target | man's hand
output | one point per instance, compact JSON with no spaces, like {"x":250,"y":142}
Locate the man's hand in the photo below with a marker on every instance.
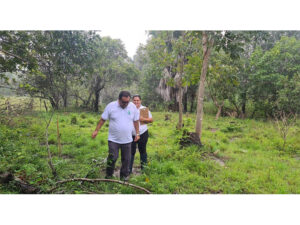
{"x":137,"y":137}
{"x":94,"y":134}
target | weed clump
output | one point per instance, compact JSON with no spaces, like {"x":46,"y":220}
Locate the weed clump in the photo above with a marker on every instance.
{"x":74,"y":120}
{"x":168,"y":117}
{"x":51,"y":141}
{"x":232,"y":128}
{"x":189,"y":138}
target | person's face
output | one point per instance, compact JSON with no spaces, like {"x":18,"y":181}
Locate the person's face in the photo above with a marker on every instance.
{"x":124,"y":102}
{"x":137,"y":101}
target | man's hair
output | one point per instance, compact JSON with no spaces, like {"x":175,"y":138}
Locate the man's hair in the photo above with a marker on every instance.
{"x":137,"y":96}
{"x":124,"y":94}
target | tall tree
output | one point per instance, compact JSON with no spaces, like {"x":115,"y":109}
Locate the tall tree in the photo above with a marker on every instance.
{"x":231,"y":43}
{"x":222,"y":80}
{"x":111,"y":65}
{"x":60,"y":56}
{"x":170,"y":51}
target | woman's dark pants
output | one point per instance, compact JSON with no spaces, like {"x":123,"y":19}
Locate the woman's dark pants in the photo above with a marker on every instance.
{"x":142,"y":143}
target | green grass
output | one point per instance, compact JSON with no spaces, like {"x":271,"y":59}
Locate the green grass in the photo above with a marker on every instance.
{"x":250,"y":150}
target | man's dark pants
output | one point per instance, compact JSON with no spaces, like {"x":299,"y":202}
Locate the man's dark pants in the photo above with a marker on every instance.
{"x":142,"y":143}
{"x":113,"y":154}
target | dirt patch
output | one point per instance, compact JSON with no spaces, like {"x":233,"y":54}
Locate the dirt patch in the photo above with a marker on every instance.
{"x":214,"y":130}
{"x":67,"y":156}
{"x":211,"y":191}
{"x":297,"y":157}
{"x":233,"y":139}
{"x":217,"y":160}
{"x":136,"y":171}
{"x":240,"y":151}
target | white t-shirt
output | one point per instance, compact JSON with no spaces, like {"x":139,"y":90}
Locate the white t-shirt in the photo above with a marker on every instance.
{"x":120,"y":121}
{"x":143,"y":128}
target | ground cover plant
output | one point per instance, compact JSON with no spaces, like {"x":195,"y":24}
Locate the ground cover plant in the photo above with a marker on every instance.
{"x":237,"y":156}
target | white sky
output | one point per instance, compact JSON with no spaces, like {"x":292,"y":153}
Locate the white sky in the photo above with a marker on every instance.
{"x":130,"y":38}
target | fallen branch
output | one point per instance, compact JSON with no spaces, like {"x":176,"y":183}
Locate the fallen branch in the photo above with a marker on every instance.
{"x":23,"y":186}
{"x":99,"y":180}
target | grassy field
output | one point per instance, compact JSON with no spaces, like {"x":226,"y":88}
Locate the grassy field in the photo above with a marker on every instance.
{"x":238,"y":156}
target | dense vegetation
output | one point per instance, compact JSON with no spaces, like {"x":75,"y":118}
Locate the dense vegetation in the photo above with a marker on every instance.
{"x":238,"y":91}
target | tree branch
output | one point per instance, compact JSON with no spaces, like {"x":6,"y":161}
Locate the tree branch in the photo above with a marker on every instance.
{"x":11,"y":54}
{"x":100,"y":180}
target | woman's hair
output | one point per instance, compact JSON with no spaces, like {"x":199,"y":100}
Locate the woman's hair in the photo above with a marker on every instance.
{"x":137,"y":96}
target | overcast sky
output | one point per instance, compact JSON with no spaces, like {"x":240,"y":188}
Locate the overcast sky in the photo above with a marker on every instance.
{"x":130,"y":38}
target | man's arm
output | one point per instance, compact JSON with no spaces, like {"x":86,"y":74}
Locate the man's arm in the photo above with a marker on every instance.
{"x":99,"y":125}
{"x":137,"y":130}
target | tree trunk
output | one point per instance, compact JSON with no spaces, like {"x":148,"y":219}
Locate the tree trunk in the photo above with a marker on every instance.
{"x":192,"y":103}
{"x":206,"y":55}
{"x":65,"y":98}
{"x":238,"y":111}
{"x":86,"y":103}
{"x":96,"y":103}
{"x":178,"y":80}
{"x":179,"y":126}
{"x":76,"y":102}
{"x":253,"y":113}
{"x":219,"y":111}
{"x":65,"y":93}
{"x":54,"y":104}
{"x":175,"y":107}
{"x":243,"y":104}
{"x":219,"y":106}
{"x":185,"y":102}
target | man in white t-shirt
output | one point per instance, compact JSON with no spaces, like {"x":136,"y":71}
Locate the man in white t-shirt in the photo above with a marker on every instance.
{"x":123,"y":117}
{"x":142,"y":142}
